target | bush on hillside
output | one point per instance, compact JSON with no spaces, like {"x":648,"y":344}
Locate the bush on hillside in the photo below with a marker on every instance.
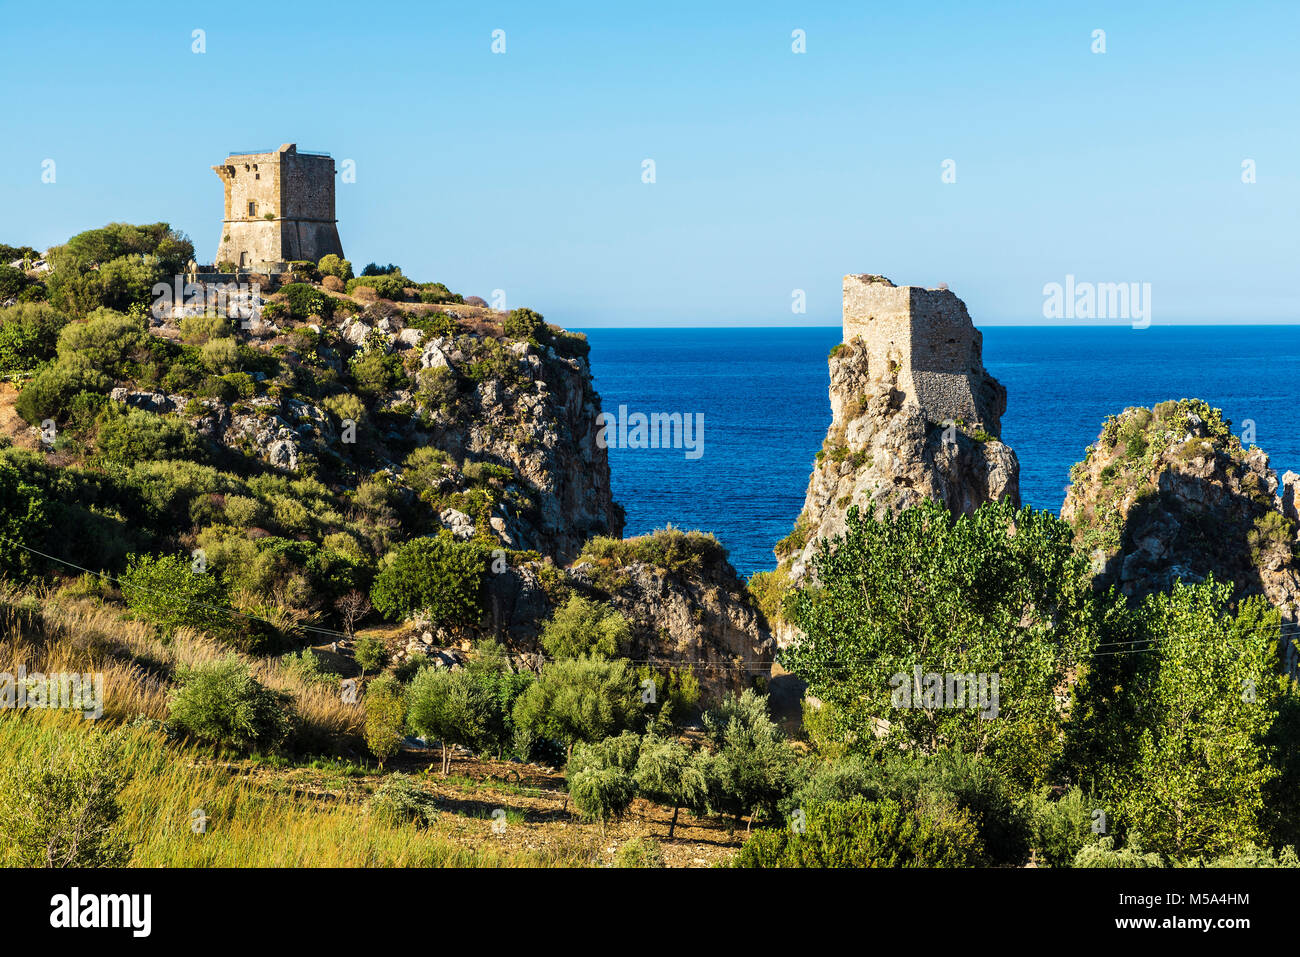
{"x":62,"y":810}
{"x":861,"y":833}
{"x":437,"y":575}
{"x":223,"y":704}
{"x":584,"y":628}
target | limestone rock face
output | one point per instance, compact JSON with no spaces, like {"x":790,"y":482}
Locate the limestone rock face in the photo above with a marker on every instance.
{"x":1169,"y":493}
{"x":915,"y":415}
{"x":700,"y":617}
{"x":520,"y":437}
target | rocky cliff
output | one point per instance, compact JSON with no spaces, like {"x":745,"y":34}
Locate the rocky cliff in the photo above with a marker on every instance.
{"x":510,"y":424}
{"x":1170,"y":493}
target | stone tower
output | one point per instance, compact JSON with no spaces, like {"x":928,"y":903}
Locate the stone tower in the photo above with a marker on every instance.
{"x":926,"y":339}
{"x":279,"y":208}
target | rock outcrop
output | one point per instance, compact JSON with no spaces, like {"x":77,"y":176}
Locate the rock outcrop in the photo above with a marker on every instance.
{"x":915,"y":415}
{"x":687,"y":608}
{"x":1169,"y":493}
{"x":515,"y":423}
{"x":692,"y":612}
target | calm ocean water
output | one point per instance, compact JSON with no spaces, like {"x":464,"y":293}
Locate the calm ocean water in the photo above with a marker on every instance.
{"x":763,"y":393}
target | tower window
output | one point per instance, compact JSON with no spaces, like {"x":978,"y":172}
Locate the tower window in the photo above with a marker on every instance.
{"x":252,"y":209}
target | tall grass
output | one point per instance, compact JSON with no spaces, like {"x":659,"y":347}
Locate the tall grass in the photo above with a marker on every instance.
{"x":48,"y":631}
{"x":246,"y":826}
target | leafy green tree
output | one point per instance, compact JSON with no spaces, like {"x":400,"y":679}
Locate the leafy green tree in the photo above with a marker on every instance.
{"x":490,"y":670}
{"x":63,"y":809}
{"x":370,"y":652}
{"x":1210,"y":695}
{"x":385,"y":707}
{"x":753,"y":766}
{"x":168,"y":591}
{"x":437,"y":575}
{"x":667,"y":772}
{"x":600,"y":777}
{"x":28,"y":333}
{"x":224,"y":704}
{"x":451,"y":707}
{"x":996,"y":595}
{"x":584,"y":628}
{"x":579,"y":699}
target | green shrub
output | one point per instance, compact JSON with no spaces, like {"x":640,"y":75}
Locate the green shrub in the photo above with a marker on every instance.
{"x":370,"y":653}
{"x":304,"y":301}
{"x":1252,"y":855}
{"x":583,"y":628}
{"x":769,"y":590}
{"x":139,"y":436}
{"x":332,"y":265}
{"x":49,"y":393}
{"x":385,"y":707}
{"x":223,"y":704}
{"x":63,"y":809}
{"x":166,"y":590}
{"x":640,"y":852}
{"x":438,"y":575}
{"x":107,"y":340}
{"x":436,"y":292}
{"x":860,"y":833}
{"x":12,"y":281}
{"x":197,"y":330}
{"x":28,"y":332}
{"x":391,"y":287}
{"x":400,"y":800}
{"x":667,"y":548}
{"x":1060,"y":829}
{"x":524,"y":324}
{"x":1104,"y":854}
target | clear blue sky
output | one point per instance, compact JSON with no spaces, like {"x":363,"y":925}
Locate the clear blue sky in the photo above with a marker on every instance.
{"x":775,"y":171}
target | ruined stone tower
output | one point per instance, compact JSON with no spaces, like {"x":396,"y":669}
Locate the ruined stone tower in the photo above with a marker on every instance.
{"x":924,"y":338}
{"x":279,"y":208}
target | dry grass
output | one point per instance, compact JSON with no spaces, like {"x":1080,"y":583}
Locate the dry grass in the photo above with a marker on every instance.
{"x":65,"y":630}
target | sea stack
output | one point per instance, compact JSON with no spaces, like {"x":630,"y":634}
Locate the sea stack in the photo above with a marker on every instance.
{"x":915,"y":415}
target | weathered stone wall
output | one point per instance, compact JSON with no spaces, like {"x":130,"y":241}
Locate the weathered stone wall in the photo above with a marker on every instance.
{"x":924,"y":339}
{"x":296,"y":189}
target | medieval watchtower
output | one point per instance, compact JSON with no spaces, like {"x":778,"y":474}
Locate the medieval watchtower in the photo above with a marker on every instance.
{"x":279,"y":208}
{"x":925,"y":338}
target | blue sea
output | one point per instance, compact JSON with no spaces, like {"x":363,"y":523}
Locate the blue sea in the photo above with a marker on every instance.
{"x":763,"y":393}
